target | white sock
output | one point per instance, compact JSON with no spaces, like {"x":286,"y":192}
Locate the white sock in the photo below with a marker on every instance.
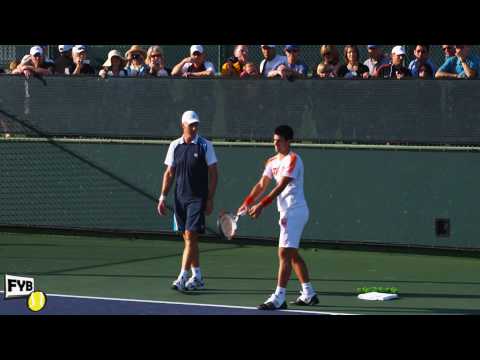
{"x":307,"y":289}
{"x":281,"y":292}
{"x":196,"y":272}
{"x":183,"y":274}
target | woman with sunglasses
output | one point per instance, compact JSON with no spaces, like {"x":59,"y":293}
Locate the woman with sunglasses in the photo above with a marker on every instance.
{"x":156,"y":62}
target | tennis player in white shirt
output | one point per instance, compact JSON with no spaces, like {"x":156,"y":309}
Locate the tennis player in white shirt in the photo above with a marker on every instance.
{"x":286,"y":167}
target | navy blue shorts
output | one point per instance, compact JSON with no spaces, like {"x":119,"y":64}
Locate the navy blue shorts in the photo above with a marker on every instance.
{"x":189,"y":215}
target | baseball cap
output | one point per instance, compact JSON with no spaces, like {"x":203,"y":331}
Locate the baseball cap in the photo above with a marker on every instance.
{"x":194,"y":48}
{"x":372,"y":46}
{"x":190,"y":117}
{"x":270,"y":46}
{"x":35,"y":50}
{"x":398,"y":50}
{"x":79,"y":48}
{"x":64,"y":48}
{"x":291,"y":47}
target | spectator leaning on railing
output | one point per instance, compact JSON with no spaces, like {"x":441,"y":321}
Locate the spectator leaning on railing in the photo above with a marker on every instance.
{"x":194,"y":65}
{"x":250,"y":71}
{"x":234,"y":65}
{"x":34,"y":64}
{"x":295,"y":68}
{"x":463,"y":65}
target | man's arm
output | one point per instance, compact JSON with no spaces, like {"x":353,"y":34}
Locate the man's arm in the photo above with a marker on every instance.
{"x":469,"y":72}
{"x":177,"y":69}
{"x":212,"y":187}
{"x":256,"y":210}
{"x":166,"y":183}
{"x":257,"y":190}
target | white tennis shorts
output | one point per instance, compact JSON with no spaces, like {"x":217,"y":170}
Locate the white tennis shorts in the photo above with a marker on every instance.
{"x":291,"y":224}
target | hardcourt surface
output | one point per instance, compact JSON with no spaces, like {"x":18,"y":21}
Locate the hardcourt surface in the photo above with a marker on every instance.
{"x":87,"y":268}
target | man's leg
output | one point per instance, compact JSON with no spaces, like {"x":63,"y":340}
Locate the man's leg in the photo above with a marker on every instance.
{"x":308,"y":295}
{"x":190,"y":252}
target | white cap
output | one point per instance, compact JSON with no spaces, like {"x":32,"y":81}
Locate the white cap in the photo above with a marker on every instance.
{"x":194,"y":48}
{"x":64,"y":48}
{"x":78,"y":48}
{"x":398,"y":50}
{"x":270,"y":46}
{"x":190,"y":117}
{"x":35,"y":50}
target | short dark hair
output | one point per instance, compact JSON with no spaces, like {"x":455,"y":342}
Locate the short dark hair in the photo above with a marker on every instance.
{"x":284,"y":131}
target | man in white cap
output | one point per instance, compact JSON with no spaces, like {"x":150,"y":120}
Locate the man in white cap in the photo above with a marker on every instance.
{"x":194,"y":65}
{"x":81,"y":65}
{"x":34,"y":64}
{"x":271,"y":61}
{"x":192,"y":162}
{"x":65,"y":59}
{"x":396,"y":69}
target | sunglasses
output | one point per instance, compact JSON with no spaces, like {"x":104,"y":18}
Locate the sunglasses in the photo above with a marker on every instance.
{"x":327,"y":54}
{"x":37,"y":55}
{"x":155,"y":55}
{"x":447,"y":48}
{"x":136,"y":56}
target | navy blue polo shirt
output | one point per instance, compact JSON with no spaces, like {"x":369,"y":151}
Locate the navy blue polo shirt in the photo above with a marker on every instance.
{"x":191,"y":162}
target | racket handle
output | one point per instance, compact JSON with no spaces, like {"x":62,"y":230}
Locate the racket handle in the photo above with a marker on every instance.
{"x":241,"y":213}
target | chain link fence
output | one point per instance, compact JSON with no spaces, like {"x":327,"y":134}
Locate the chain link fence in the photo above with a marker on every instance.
{"x":217,"y":54}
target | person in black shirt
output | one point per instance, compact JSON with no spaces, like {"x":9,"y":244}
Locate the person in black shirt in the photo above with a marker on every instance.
{"x":65,"y":59}
{"x":394,"y":70}
{"x":352,"y":69}
{"x":34,"y":64}
{"x":81,"y":65}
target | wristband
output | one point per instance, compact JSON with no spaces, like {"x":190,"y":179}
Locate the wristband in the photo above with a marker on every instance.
{"x":161,"y":198}
{"x":248,"y":201}
{"x":266,"y":201}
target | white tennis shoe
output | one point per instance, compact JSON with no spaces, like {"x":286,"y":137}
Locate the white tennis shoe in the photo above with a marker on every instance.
{"x":273,"y":303}
{"x":194,"y":283}
{"x":179,"y":284}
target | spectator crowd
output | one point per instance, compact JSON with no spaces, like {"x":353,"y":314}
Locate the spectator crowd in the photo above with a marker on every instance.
{"x":73,"y":60}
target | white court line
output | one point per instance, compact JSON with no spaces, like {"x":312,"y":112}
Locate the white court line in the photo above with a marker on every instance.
{"x":192,"y":304}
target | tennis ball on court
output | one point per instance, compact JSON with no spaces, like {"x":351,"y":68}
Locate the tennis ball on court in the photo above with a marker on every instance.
{"x":36,"y":301}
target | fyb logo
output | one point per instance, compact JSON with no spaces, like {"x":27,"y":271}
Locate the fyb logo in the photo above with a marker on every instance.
{"x":20,"y":286}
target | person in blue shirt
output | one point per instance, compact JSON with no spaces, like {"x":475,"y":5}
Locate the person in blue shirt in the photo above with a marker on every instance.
{"x":421,"y":57}
{"x":192,"y":164}
{"x":461,"y":66}
{"x":295,"y":68}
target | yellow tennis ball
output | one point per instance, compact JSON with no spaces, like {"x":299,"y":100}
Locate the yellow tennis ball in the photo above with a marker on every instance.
{"x":36,"y":301}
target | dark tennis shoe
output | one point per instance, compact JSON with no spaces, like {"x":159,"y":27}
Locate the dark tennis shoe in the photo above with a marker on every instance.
{"x":304,"y":300}
{"x":272,"y":303}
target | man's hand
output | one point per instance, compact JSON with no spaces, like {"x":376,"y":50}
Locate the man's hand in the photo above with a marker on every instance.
{"x":243,"y":209}
{"x":255,"y":211}
{"x":209,"y":207}
{"x":162,"y":207}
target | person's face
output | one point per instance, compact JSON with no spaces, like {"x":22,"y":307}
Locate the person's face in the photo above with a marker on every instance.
{"x":461,"y":50}
{"x":397,"y":59}
{"x":115,"y":60}
{"x":327,"y":56}
{"x":190,"y":130}
{"x":373,"y":53}
{"x":281,"y":145}
{"x":241,"y":53}
{"x":268,"y":52}
{"x":37,"y":59}
{"x":292,"y":55}
{"x":197,"y":57}
{"x":352,"y":55}
{"x":137,"y":58}
{"x":82,"y":55}
{"x":448,"y":50}
{"x":421,"y":53}
{"x":156,"y":58}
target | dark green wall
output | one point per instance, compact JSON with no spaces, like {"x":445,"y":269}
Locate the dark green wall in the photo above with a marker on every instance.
{"x":371,"y":196}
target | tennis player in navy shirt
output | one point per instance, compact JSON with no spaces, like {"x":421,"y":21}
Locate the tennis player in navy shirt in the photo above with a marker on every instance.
{"x":192,"y":163}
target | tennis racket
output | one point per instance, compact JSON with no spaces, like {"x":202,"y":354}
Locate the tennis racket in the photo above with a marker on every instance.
{"x":227,"y":224}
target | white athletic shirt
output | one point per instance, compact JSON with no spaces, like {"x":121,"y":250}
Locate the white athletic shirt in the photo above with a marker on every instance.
{"x":290,"y":166}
